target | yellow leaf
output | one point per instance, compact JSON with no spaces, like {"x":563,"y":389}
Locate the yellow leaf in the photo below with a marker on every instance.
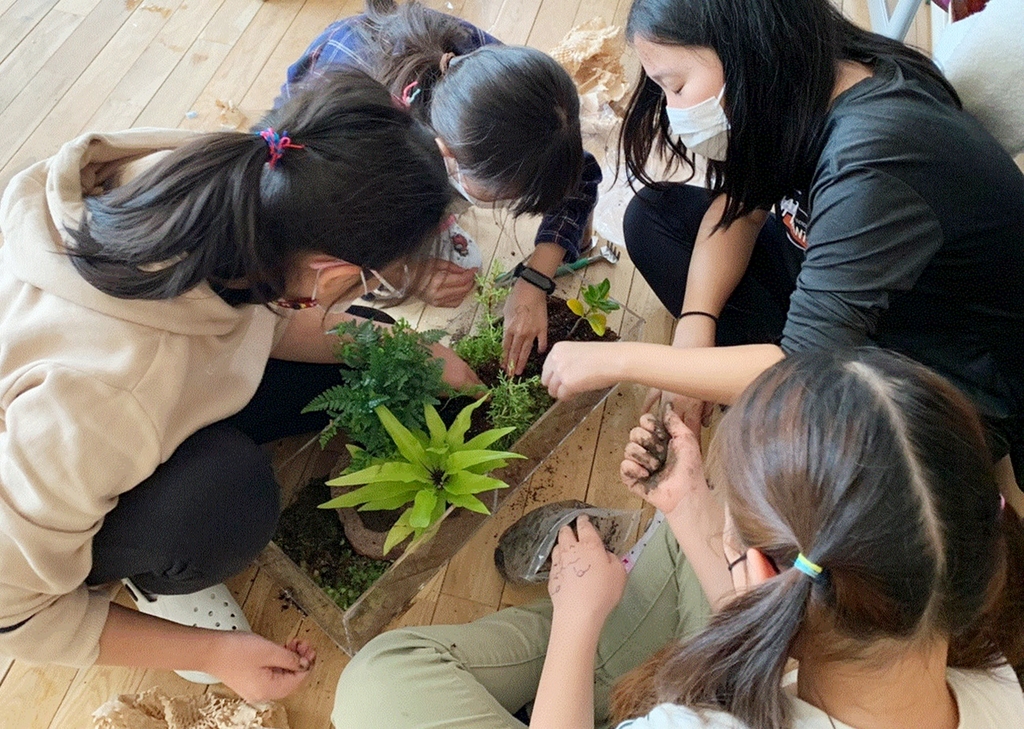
{"x":576,"y":306}
{"x":599,"y":323}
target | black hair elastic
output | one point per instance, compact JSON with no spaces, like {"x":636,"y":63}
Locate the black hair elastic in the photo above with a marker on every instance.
{"x":699,"y":313}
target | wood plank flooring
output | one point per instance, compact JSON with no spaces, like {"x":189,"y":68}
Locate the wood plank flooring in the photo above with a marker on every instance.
{"x":67,"y":66}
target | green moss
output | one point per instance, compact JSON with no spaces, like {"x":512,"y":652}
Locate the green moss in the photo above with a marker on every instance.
{"x":315,"y":540}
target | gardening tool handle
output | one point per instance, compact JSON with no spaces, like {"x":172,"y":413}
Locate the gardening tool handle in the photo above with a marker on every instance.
{"x":575,"y":265}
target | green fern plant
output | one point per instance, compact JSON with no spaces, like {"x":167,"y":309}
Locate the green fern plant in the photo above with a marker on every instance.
{"x":594,"y":308}
{"x":429,"y":471}
{"x":393,"y":367}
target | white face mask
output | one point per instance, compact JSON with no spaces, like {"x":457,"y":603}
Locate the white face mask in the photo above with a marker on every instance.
{"x":702,"y":128}
{"x":458,"y":184}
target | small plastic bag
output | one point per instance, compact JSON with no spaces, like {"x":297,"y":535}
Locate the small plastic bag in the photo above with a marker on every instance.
{"x":523,"y":554}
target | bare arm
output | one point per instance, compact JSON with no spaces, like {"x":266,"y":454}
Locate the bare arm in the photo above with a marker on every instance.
{"x":307,"y":339}
{"x":565,"y":694}
{"x":306,"y":336}
{"x":719,"y":260}
{"x":251,"y":665}
{"x":585,"y":585}
{"x":716,"y":374}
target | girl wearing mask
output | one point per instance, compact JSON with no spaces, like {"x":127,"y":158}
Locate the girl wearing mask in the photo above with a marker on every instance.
{"x":850,"y":201}
{"x":507,"y":122}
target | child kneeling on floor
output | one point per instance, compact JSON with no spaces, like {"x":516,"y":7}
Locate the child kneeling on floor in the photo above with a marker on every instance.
{"x":851,"y":521}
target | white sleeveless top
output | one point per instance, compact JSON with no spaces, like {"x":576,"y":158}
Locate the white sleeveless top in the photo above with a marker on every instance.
{"x":986,"y":700}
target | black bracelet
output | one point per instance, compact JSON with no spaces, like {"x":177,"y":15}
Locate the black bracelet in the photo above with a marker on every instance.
{"x":699,"y":313}
{"x":534,"y":277}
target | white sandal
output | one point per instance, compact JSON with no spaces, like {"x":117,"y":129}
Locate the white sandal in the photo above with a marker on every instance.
{"x":214,"y":608}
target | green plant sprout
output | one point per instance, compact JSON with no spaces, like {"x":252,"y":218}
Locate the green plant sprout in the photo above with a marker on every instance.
{"x":484,"y":345}
{"x":394,"y":367}
{"x":430,"y":470}
{"x":594,"y":308}
{"x":517,"y":403}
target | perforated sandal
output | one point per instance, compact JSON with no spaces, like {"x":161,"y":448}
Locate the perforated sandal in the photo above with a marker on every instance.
{"x":214,"y":608}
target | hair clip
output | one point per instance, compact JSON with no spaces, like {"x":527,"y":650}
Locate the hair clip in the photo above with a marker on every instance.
{"x":409,"y":94}
{"x":277,"y":144}
{"x":807,"y":567}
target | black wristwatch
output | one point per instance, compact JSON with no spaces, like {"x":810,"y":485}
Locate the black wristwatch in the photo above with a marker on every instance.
{"x":534,"y":277}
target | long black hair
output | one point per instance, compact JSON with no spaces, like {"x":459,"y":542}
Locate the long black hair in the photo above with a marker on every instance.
{"x":509,"y":114}
{"x":876,"y":469}
{"x":780,"y":59}
{"x":366,"y":184}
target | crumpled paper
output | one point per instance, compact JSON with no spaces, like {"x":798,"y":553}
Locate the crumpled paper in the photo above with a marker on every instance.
{"x":154,"y":709}
{"x":592,"y":54}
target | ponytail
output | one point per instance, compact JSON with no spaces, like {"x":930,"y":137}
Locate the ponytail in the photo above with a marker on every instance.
{"x":737,"y":663}
{"x":410,"y":44}
{"x":193,"y":217}
{"x":875,"y":468}
{"x":361,"y":181}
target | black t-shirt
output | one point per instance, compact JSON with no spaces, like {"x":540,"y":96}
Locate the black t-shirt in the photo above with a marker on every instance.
{"x":915,"y":239}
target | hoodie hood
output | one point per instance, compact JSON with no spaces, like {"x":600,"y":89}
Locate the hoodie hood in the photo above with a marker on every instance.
{"x":46,"y":199}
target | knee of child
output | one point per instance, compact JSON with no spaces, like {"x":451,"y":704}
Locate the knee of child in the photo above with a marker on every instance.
{"x":373,"y":674}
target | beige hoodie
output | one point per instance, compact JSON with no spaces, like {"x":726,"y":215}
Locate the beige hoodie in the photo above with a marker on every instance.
{"x":95,"y":393}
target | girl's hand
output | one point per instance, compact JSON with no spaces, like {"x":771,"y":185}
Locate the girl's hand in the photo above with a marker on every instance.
{"x":694,"y":413}
{"x":586,"y":579}
{"x":526,"y":320}
{"x":447,"y":284}
{"x":575,"y":367}
{"x":258,"y":670}
{"x":459,"y":375}
{"x":662,"y":461}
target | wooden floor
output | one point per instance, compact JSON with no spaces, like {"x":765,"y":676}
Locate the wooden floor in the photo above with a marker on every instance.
{"x":67,"y":66}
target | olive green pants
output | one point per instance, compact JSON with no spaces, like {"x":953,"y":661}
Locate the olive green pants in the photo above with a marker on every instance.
{"x":478,"y":674}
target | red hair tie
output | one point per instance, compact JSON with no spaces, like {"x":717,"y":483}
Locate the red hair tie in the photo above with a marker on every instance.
{"x":277,"y":144}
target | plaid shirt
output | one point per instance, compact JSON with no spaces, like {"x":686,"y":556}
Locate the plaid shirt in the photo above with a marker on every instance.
{"x":341,"y":44}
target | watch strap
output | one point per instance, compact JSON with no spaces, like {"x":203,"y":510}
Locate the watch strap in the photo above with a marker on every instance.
{"x":534,"y":277}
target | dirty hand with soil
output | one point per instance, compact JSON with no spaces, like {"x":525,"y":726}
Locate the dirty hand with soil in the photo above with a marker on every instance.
{"x":526,"y":311}
{"x":662,"y":464}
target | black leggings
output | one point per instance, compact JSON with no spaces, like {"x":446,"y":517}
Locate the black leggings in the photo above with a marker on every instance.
{"x":660,"y":228}
{"x":212,"y":507}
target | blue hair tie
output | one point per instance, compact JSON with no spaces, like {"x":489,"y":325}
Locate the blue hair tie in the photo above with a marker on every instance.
{"x":807,"y":567}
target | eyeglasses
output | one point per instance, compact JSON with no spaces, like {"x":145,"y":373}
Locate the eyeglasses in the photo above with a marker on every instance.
{"x":310,"y":301}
